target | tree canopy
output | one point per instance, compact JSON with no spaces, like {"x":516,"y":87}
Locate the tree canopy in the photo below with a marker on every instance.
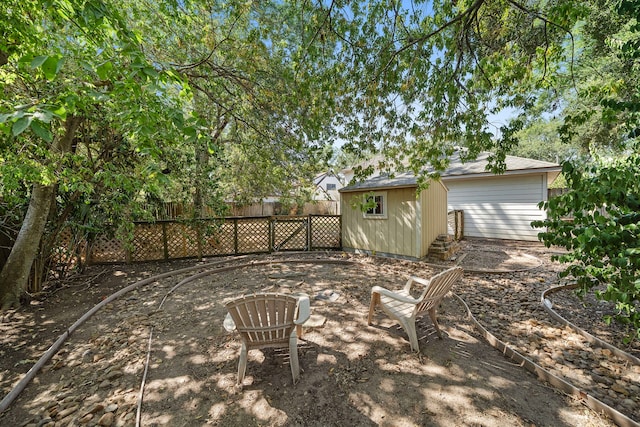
{"x":107,"y":106}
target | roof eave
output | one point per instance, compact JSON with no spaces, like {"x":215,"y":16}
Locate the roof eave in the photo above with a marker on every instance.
{"x":376,"y":188}
{"x":553,"y":169}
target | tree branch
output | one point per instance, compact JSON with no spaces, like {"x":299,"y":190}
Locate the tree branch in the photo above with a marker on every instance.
{"x":554,"y":24}
{"x":476,"y":5}
{"x":317,"y":32}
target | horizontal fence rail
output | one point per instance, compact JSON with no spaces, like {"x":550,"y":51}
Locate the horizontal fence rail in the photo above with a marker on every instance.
{"x":172,"y":239}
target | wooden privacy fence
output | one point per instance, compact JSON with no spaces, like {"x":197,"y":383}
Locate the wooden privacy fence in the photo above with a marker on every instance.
{"x":164,"y":240}
{"x":455,"y":220}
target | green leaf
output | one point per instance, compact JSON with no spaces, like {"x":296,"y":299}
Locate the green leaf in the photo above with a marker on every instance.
{"x":60,"y":112}
{"x":190,"y":132}
{"x":44,"y":116}
{"x":26,"y":59}
{"x":38,"y":61}
{"x":104,"y":70}
{"x":41,"y":131}
{"x":20,"y":125}
{"x":97,"y":96}
{"x":151,"y":72}
{"x":51,"y":67}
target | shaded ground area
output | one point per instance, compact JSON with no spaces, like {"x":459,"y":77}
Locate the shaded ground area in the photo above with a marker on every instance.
{"x":353,"y":374}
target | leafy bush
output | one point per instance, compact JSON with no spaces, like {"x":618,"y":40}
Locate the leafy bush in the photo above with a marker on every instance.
{"x":598,"y":222}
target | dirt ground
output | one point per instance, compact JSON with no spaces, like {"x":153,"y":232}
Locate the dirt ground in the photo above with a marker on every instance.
{"x":159,"y":355}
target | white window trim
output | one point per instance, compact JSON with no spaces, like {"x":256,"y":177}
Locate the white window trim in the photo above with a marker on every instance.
{"x":385,"y":205}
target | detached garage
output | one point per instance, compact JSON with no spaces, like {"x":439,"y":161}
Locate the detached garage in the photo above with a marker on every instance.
{"x":399,"y":222}
{"x":500,"y":206}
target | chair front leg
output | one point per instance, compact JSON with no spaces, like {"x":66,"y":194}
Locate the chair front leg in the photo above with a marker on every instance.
{"x":375,"y":300}
{"x":293,"y":358}
{"x":434,"y":318}
{"x":242,"y":364}
{"x":409,"y":326}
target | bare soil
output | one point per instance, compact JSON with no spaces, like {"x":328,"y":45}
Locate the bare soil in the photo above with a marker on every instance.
{"x":159,"y":355}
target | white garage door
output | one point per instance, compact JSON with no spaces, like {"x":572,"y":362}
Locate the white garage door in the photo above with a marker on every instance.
{"x":499,"y":207}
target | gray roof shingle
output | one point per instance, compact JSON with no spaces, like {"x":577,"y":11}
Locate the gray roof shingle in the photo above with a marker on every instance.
{"x":457,"y":169}
{"x":513,"y":164}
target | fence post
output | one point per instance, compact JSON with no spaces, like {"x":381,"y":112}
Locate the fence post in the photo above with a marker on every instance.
{"x":456,"y":225}
{"x":165,"y":243}
{"x":200,"y":236}
{"x":309,"y":234}
{"x":235,"y":236}
{"x":88,"y":251}
{"x":272,"y":233}
{"x":128,"y":250}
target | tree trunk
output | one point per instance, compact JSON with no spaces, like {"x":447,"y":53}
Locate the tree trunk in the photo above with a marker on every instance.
{"x":202,"y":159}
{"x":15,"y":273}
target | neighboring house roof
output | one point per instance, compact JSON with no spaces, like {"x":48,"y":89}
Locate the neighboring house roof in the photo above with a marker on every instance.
{"x":317,"y":180}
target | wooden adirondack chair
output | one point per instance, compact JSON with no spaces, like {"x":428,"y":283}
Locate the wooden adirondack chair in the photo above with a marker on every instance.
{"x":268,"y":320}
{"x":403,"y":307}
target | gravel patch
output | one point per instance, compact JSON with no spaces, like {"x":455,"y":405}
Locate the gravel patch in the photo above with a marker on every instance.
{"x":353,"y":374}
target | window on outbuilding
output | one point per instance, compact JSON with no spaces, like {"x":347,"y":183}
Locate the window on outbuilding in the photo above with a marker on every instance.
{"x":378,"y":208}
{"x":331,"y":187}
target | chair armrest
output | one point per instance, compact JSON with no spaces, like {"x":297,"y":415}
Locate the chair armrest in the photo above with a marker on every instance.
{"x":395,"y":296}
{"x":304,"y":309}
{"x":228,"y":323}
{"x":418,"y":280}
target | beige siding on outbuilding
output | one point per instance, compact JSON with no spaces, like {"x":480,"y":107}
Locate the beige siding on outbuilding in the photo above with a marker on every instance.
{"x":434,"y":213}
{"x":411,"y":223}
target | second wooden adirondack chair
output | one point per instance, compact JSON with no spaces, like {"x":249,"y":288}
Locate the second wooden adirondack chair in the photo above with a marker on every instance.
{"x":403,"y":307}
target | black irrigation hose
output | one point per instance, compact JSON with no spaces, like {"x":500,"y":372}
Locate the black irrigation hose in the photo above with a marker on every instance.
{"x":191,"y":279}
{"x":544,"y":375}
{"x":15,"y":392}
{"x":198,"y":276}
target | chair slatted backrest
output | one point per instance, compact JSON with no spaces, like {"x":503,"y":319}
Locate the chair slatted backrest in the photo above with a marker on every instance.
{"x":265,"y":318}
{"x":438,"y":287}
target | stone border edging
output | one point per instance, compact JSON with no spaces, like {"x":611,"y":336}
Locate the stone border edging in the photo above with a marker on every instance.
{"x":548,"y":306}
{"x":488,"y":270}
{"x":544,"y":375}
